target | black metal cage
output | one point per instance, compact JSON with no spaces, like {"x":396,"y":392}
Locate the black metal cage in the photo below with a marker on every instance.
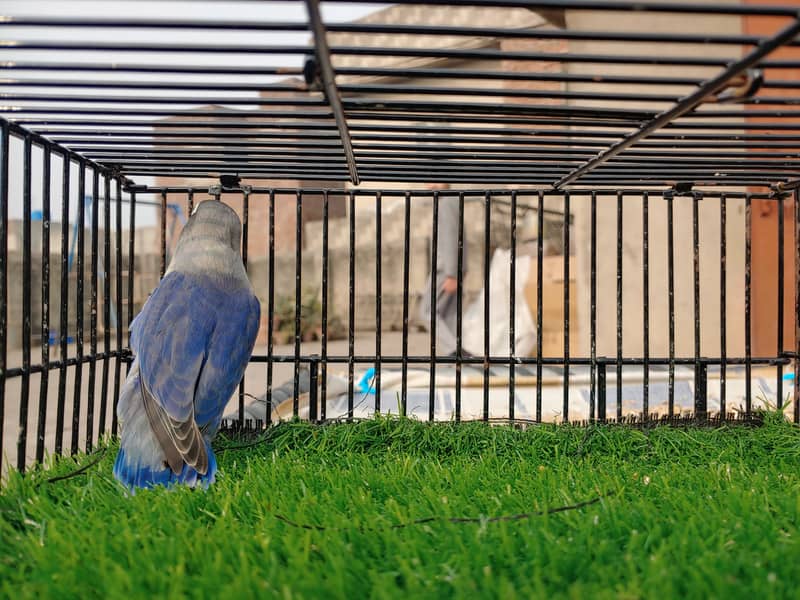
{"x":655,"y":143}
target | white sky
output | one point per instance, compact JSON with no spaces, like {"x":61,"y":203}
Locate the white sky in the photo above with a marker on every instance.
{"x":196,"y":10}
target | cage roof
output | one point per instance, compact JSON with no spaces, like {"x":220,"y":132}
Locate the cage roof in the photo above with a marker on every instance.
{"x":546,"y":93}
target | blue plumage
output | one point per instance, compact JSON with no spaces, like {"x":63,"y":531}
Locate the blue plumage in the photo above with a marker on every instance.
{"x":192,"y":342}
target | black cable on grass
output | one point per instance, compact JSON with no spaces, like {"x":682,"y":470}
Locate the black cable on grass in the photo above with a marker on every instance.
{"x":424,"y":520}
{"x":82,"y":470}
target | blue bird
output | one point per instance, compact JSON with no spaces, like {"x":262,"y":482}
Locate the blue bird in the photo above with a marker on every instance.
{"x":192,"y":342}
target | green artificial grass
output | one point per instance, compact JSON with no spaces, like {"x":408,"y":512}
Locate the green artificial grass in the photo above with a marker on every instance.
{"x":683,"y":513}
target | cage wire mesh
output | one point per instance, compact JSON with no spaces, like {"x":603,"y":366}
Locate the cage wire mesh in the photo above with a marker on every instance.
{"x":616,"y":182}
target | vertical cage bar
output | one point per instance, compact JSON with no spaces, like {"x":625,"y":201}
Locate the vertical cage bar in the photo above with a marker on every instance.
{"x":797,"y":306}
{"x":565,"y":232}
{"x":118,"y":303}
{"x":378,"y":291}
{"x":131,"y":264}
{"x":90,"y":396}
{"x":646,"y":304}
{"x":245,"y":244}
{"x":700,"y":400}
{"x":748,"y":243}
{"x":406,"y":264}
{"x":4,"y":146}
{"x":45,"y":324}
{"x":324,"y":334}
{"x":702,"y":386}
{"x":601,"y":391}
{"x":313,"y":382}
{"x":79,"y":306}
{"x":779,"y":367}
{"x":163,"y":239}
{"x":434,"y":301}
{"x":26,"y":305}
{"x":512,"y":296}
{"x":539,"y":262}
{"x":63,"y":319}
{"x":487,"y":224}
{"x":106,"y":302}
{"x":459,"y":304}
{"x":593,"y":310}
{"x":298,"y":299}
{"x":270,"y":303}
{"x":671,"y":302}
{"x":723,"y":320}
{"x":189,"y":204}
{"x":351,"y":308}
{"x":619,"y":305}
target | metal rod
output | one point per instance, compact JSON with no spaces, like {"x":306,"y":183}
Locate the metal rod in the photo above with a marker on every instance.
{"x":245,"y":246}
{"x":645,"y":305}
{"x":618,"y":382}
{"x":313,"y":383}
{"x":378,"y":292}
{"x":700,"y":400}
{"x":90,"y":392}
{"x":386,"y":28}
{"x":671,"y":300}
{"x":118,"y":327}
{"x":324,"y":325}
{"x":748,"y":245}
{"x":79,"y":305}
{"x":601,"y":392}
{"x":434,"y":300}
{"x":63,"y":323}
{"x":779,"y":350}
{"x":620,"y":5}
{"x":593,"y":311}
{"x":723,"y":316}
{"x":471,"y":194}
{"x":512,"y":277}
{"x":796,"y":398}
{"x":4,"y":160}
{"x":487,"y":226}
{"x":106,"y":303}
{"x":270,"y":302}
{"x":565,"y":238}
{"x":539,"y":275}
{"x":298,"y":298}
{"x":351,"y":306}
{"x":687,"y":103}
{"x":163,"y":239}
{"x":22,"y":439}
{"x":45,"y":322}
{"x":328,"y":76}
{"x":406,"y":272}
{"x":131,"y":265}
{"x":459,"y":305}
{"x":424,"y":359}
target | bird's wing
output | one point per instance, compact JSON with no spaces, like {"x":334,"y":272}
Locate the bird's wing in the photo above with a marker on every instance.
{"x":170,"y":338}
{"x":225,"y":366}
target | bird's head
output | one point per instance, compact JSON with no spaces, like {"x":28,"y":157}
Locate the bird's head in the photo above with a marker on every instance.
{"x":213,"y":220}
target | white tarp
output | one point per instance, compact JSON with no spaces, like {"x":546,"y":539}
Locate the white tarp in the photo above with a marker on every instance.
{"x":499,"y":310}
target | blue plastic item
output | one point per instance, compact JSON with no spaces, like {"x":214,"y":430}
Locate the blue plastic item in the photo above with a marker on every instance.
{"x":366,"y":385}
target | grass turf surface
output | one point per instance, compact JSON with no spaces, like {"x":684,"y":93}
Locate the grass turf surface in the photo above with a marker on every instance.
{"x":684,"y":513}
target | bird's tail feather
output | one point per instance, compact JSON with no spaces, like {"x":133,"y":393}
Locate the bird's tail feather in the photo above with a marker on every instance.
{"x":141,"y":462}
{"x":133,"y":474}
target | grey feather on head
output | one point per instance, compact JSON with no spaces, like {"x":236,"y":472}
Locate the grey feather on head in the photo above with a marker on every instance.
{"x":213,"y":220}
